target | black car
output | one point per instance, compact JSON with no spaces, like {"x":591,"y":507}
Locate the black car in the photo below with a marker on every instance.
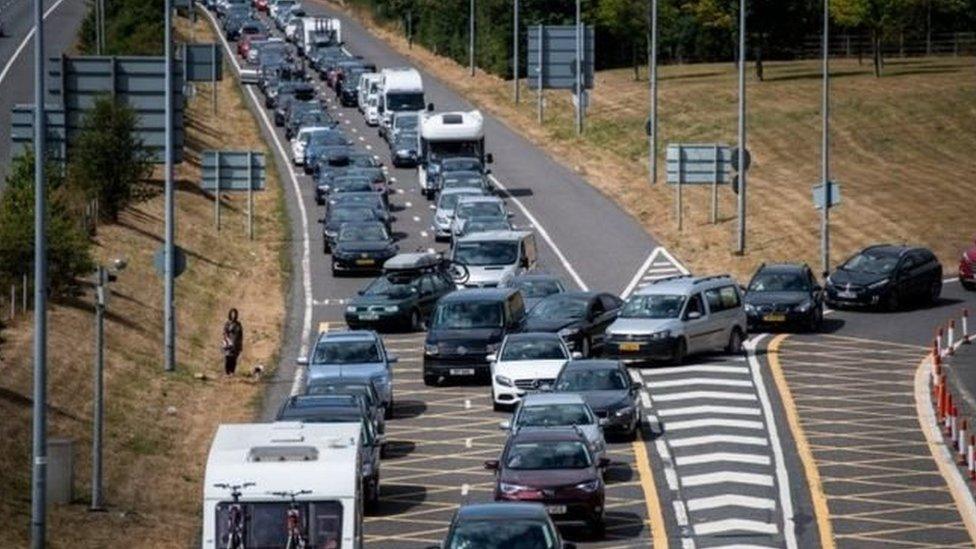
{"x":784,"y":294}
{"x":362,"y":247}
{"x":607,"y":387}
{"x":465,"y":328}
{"x":398,"y":300}
{"x":337,"y":216}
{"x":405,"y":149}
{"x":580,"y":318}
{"x":344,"y":184}
{"x":507,"y":525}
{"x":345,"y":383}
{"x":887,"y":276}
{"x":297,"y":91}
{"x":369,"y":200}
{"x":535,"y":286}
{"x":306,"y":114}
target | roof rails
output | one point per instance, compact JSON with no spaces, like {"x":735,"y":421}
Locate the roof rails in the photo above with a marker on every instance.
{"x":712,"y":277}
{"x":669,"y":278}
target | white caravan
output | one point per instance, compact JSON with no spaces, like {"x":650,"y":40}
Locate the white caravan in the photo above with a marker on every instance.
{"x":323,"y":459}
{"x":446,"y":135}
{"x":400,"y":89}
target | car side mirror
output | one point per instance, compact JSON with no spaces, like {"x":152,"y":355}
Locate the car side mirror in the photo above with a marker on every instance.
{"x":603,"y":463}
{"x":302,"y":361}
{"x":636,"y":385}
{"x":491,"y":464}
{"x":505,"y":425}
{"x":693,"y":315}
{"x":489,"y":158}
{"x":576,"y":355}
{"x":361,"y":292}
{"x":430,"y":107}
{"x":492,"y":357}
{"x":602,"y":422}
{"x":321,"y":220}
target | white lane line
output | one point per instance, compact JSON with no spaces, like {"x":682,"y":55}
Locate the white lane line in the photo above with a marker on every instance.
{"x":545,"y":236}
{"x":303,"y":213}
{"x":416,"y":219}
{"x":722,"y":457}
{"x":713,"y":422}
{"x":704,"y":395}
{"x":698,"y":369}
{"x":782,"y":476}
{"x":717,"y":439}
{"x":699,"y":381}
{"x":680,"y":513}
{"x":725,"y":477}
{"x":671,"y":478}
{"x":640,"y":272}
{"x":23,"y":43}
{"x":424,"y":234}
{"x":730,"y":500}
{"x":709,"y":409}
{"x":742,"y":546}
{"x":735,"y":525}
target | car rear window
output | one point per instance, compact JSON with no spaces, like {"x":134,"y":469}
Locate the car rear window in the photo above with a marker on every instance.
{"x":468,"y":315}
{"x":547,"y":455}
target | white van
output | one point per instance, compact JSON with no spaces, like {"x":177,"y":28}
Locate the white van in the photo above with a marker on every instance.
{"x":494,"y":257}
{"x":401,"y":89}
{"x":323,"y":460}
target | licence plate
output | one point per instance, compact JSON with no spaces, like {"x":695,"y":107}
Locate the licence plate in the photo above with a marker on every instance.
{"x":369,"y":316}
{"x":462,"y":371}
{"x":844,"y":294}
{"x":775,"y":318}
{"x":556,"y":509}
{"x":630,"y":346}
{"x":364,"y":262}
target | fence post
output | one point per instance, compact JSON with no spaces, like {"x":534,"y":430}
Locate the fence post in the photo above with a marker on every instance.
{"x":13,"y":300}
{"x":23,"y":295}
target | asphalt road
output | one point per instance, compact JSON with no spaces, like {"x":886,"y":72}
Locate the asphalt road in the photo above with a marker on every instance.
{"x":61,"y":23}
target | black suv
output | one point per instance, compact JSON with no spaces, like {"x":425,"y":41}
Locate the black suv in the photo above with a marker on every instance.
{"x":466,"y":327}
{"x":886,"y":276}
{"x":784,"y":294}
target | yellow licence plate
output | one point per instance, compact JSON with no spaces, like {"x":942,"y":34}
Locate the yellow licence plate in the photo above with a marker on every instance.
{"x":775,"y":318}
{"x":364,"y":262}
{"x":630,"y":346}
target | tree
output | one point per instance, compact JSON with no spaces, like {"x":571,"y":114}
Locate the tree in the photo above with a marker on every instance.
{"x":878,"y":17}
{"x":108,"y":160}
{"x":68,"y":247}
{"x":628,"y":20}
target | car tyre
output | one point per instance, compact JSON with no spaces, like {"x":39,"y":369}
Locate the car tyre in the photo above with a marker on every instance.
{"x":430,"y":380}
{"x":816,"y":320}
{"x":598,"y":527}
{"x":966,"y":285}
{"x":388,"y":411}
{"x":735,"y":342}
{"x":416,"y":321}
{"x":892,"y":301}
{"x":680,"y":352}
{"x":935,"y":291}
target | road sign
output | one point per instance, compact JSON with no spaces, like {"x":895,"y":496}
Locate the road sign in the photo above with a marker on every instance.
{"x":818,"y":195}
{"x":199,"y":60}
{"x":735,"y":160}
{"x":22,"y":129}
{"x":698,"y":164}
{"x":233,"y":173}
{"x":179,"y":261}
{"x":556,"y":63}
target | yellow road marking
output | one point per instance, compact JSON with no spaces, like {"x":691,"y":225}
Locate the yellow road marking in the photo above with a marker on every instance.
{"x":817,"y":495}
{"x":659,"y":534}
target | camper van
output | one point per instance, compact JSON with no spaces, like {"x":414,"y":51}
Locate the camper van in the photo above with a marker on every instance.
{"x":261,"y":475}
{"x":449,"y":135}
{"x":317,"y":32}
{"x":401,"y":89}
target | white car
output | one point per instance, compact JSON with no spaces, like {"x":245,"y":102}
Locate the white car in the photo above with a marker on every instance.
{"x":300,"y":141}
{"x":372,"y":111}
{"x":525,"y":362}
{"x":548,"y":410}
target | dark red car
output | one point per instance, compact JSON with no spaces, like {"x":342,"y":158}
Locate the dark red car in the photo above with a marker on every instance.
{"x":244,"y":46}
{"x":553,"y":467}
{"x":261,"y":5}
{"x":967,"y":268}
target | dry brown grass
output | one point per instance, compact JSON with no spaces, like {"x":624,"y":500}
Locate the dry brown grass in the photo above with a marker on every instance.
{"x":154,"y":460}
{"x":903,"y":149}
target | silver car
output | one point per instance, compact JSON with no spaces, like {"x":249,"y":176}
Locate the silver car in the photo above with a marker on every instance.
{"x":444,"y":210}
{"x":547,"y":410}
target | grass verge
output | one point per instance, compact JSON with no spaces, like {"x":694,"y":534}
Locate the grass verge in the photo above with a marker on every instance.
{"x":158,"y":426}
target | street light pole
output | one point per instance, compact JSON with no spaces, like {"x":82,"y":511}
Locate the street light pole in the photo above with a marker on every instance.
{"x":741,"y":243}
{"x":515,"y":50}
{"x":98,"y":408}
{"x":825,"y":145}
{"x":169,"y":322}
{"x":471,"y":36}
{"x":39,"y":442}
{"x":652,"y":76}
{"x":579,"y":73}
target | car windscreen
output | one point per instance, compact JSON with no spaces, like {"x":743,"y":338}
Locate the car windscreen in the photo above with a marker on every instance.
{"x":346,"y":214}
{"x":480,"y":225}
{"x":869,"y":263}
{"x":653,"y":306}
{"x":502,"y":534}
{"x":465,"y":182}
{"x":325,"y":414}
{"x":461,"y":165}
{"x":480,"y":209}
{"x":547,"y":455}
{"x":352,"y":185}
{"x":447,"y":149}
{"x":326,"y":138}
{"x":464,"y":315}
{"x":779,"y":282}
{"x":390,"y":286}
{"x":363,"y":233}
{"x":370,"y":199}
{"x":448,"y":201}
{"x":346,"y":352}
{"x":538,"y":287}
{"x":406,"y":140}
{"x":405,"y":101}
{"x":554,"y":415}
{"x":362,"y":160}
{"x":533,"y":349}
{"x":266,"y":524}
{"x":405,"y":122}
{"x":482,"y":253}
{"x":602,"y":379}
{"x":560,"y":306}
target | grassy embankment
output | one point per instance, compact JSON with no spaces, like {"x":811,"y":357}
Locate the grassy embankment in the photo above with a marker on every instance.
{"x":158,"y":426}
{"x":902,"y":148}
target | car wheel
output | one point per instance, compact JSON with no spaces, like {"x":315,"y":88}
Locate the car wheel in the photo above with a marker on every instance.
{"x":495,"y":405}
{"x":735,"y":342}
{"x":935,"y":291}
{"x":416,"y":322}
{"x":335,"y":272}
{"x":430,"y":380}
{"x":816,"y":320}
{"x":892,"y":302}
{"x":388,"y":411}
{"x":968,"y":285}
{"x":680,"y":352}
{"x":325,"y":246}
{"x":585,"y":347}
{"x":597,"y":527}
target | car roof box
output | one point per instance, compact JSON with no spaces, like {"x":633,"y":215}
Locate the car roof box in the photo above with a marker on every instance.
{"x":411,"y":262}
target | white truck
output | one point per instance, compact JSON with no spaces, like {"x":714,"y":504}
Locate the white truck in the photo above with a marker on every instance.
{"x":258,"y":473}
{"x":401,"y":89}
{"x":458,"y":134}
{"x":314,"y":32}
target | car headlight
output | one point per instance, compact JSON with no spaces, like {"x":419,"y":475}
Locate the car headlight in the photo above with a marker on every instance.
{"x":391,"y":308}
{"x":503,"y":381}
{"x":879,"y":284}
{"x":351,"y":309}
{"x":510,"y":489}
{"x":804,"y":307}
{"x":625,"y":411}
{"x":663,"y":334}
{"x":589,"y":486}
{"x":430,"y":349}
{"x":750,"y":308}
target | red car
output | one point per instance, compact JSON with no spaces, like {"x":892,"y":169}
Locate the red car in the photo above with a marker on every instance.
{"x":261,"y":5}
{"x":967,"y":269}
{"x":553,"y":467}
{"x":244,"y":46}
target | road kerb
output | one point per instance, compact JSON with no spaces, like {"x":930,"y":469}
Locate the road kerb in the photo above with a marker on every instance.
{"x":812,"y":473}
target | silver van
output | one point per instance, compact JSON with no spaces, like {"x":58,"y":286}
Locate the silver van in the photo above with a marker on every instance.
{"x":494,"y":257}
{"x":675,"y":317}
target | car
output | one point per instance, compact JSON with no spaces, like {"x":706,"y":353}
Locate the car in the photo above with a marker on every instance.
{"x":372,"y":112}
{"x":337,"y":216}
{"x":677,"y":316}
{"x":444,"y":167}
{"x":503,"y":526}
{"x":376,"y":176}
{"x":402,"y":121}
{"x":526,"y":362}
{"x":547,"y":410}
{"x":362,"y":246}
{"x":300,"y":143}
{"x":359,"y":352}
{"x":335,"y":148}
{"x":556,"y":468}
{"x":356,"y":385}
{"x":343,"y":184}
{"x":967,"y":269}
{"x":369,"y":200}
{"x":580,"y":318}
{"x":477,"y":206}
{"x":400,"y":298}
{"x":342,"y":408}
{"x":405,"y":149}
{"x":492,"y":257}
{"x":444,"y":210}
{"x":287,"y":92}
{"x":782,"y":294}
{"x":607,"y":387}
{"x":887,"y":276}
{"x":485,"y":224}
{"x":535,"y":286}
{"x":466,"y":180}
{"x":465,"y":328}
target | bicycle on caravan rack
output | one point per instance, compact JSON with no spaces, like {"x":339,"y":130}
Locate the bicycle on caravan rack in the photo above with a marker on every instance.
{"x":236,"y":516}
{"x":293,"y":520}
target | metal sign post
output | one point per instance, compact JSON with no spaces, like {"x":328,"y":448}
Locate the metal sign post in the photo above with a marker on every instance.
{"x":213,"y":79}
{"x":652,"y":64}
{"x":741,"y":241}
{"x":578,"y":85}
{"x":515,"y":49}
{"x":681,"y":183}
{"x":698,"y":164}
{"x":217,"y":196}
{"x":250,"y":197}
{"x":169,"y":317}
{"x":542,"y":69}
{"x":825,"y":146}
{"x":714,"y":216}
{"x":98,"y":405}
{"x":471,"y":36}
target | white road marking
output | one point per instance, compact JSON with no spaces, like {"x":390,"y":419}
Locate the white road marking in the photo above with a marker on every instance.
{"x":680,"y":513}
{"x":722,"y":457}
{"x":424,"y":234}
{"x":723,"y":477}
{"x":710,"y":409}
{"x":730,"y":500}
{"x":416,"y":219}
{"x":735,"y":525}
{"x":700,"y":368}
{"x":672,"y":478}
{"x":698,"y":381}
{"x":717,"y":439}
{"x":714,"y":422}
{"x":409,"y":204}
{"x":704,"y":395}
{"x":465,"y":488}
{"x":23,"y":43}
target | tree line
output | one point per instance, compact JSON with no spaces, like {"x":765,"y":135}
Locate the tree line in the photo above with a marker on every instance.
{"x":689,"y":30}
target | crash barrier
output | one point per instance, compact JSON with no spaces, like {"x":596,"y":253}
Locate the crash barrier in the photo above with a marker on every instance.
{"x":959,"y":437}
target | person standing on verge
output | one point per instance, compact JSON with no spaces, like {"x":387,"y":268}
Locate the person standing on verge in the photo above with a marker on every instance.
{"x":233,"y":342}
